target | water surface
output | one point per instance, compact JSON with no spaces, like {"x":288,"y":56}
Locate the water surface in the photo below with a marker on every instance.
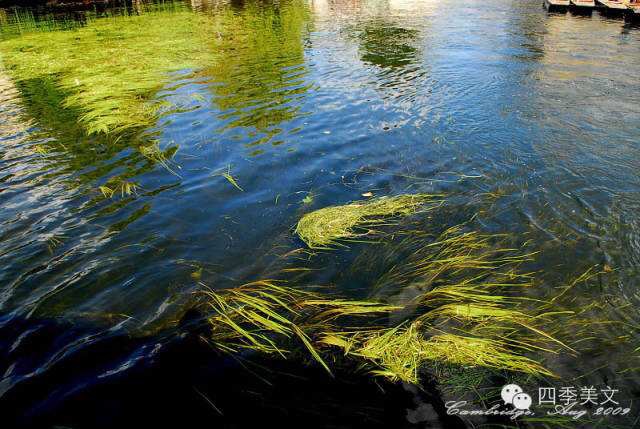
{"x":309,"y":104}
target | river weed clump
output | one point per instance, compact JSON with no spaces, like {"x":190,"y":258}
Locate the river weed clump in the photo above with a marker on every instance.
{"x":464,"y":260}
{"x":401,"y":351}
{"x":327,"y":227}
{"x":442,"y":300}
{"x":110,"y":68}
{"x":265,"y":315}
{"x":246,"y":317}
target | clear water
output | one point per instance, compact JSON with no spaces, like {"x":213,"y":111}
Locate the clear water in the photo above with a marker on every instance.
{"x":466,"y":98}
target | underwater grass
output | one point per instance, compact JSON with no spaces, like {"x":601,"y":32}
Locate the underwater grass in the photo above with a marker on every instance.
{"x":401,"y":351}
{"x":110,"y":68}
{"x":327,"y":227}
{"x":458,"y":264}
{"x":449,"y":299}
{"x":265,"y":316}
{"x":245,"y":317}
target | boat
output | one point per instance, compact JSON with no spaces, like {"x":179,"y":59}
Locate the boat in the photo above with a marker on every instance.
{"x":582,"y":6}
{"x":583,"y":3}
{"x":556,"y":5}
{"x":633,"y":14}
{"x":634,"y":7}
{"x":613,"y":6}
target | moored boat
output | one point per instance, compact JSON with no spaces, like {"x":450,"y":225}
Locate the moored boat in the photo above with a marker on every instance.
{"x":582,"y":7}
{"x":614,"y":6}
{"x":583,"y":3}
{"x":634,"y":7}
{"x":556,"y":5}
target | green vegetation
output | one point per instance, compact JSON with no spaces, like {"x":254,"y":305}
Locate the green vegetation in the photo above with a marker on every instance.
{"x":109,"y":70}
{"x":105,"y":73}
{"x":463,"y":264}
{"x":265,"y":316}
{"x":463,"y":308}
{"x":401,"y":351}
{"x":326,"y":227}
{"x":247,"y":316}
{"x":250,"y":316}
{"x":262,"y":75}
{"x":227,"y":175}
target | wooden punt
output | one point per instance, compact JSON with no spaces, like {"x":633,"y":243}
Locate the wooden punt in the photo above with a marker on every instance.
{"x":614,"y":6}
{"x":556,"y":5}
{"x":583,"y":3}
{"x":582,"y":7}
{"x":634,"y":7}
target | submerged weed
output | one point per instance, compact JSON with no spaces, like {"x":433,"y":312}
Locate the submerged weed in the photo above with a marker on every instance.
{"x":125,"y":188}
{"x":482,"y":329}
{"x":401,"y":351}
{"x":227,"y":175}
{"x":110,"y":68}
{"x":449,"y":300}
{"x":107,"y":192}
{"x":324,"y":228}
{"x":249,"y":317}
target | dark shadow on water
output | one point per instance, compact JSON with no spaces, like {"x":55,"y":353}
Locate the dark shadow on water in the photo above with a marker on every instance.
{"x":174,"y":379}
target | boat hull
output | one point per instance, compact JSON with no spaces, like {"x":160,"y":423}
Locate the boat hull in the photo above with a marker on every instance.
{"x":556,"y":5}
{"x":589,"y":4}
{"x":581,"y":7}
{"x":633,"y":15}
{"x":612,"y":8}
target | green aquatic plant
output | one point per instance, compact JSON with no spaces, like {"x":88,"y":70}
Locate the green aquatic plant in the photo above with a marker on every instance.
{"x":125,"y":188}
{"x":331,"y":309}
{"x":308,"y":199}
{"x":107,"y":192}
{"x":54,"y":241}
{"x":156,"y":155}
{"x":227,"y":175}
{"x":110,"y":69}
{"x":464,"y":264}
{"x":265,"y":316}
{"x":250,"y":316}
{"x":401,"y":351}
{"x":327,"y":227}
{"x":453,"y":299}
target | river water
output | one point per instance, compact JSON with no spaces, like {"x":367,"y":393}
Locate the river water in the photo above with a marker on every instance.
{"x":492,"y":99}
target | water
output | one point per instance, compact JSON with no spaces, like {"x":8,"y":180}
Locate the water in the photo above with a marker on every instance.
{"x":309,"y":105}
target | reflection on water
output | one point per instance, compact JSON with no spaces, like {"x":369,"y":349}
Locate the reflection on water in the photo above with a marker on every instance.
{"x":260,"y":83}
{"x":387,"y":46}
{"x":531,"y":121}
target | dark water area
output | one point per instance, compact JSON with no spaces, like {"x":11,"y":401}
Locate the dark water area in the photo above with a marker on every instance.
{"x":529,"y":120}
